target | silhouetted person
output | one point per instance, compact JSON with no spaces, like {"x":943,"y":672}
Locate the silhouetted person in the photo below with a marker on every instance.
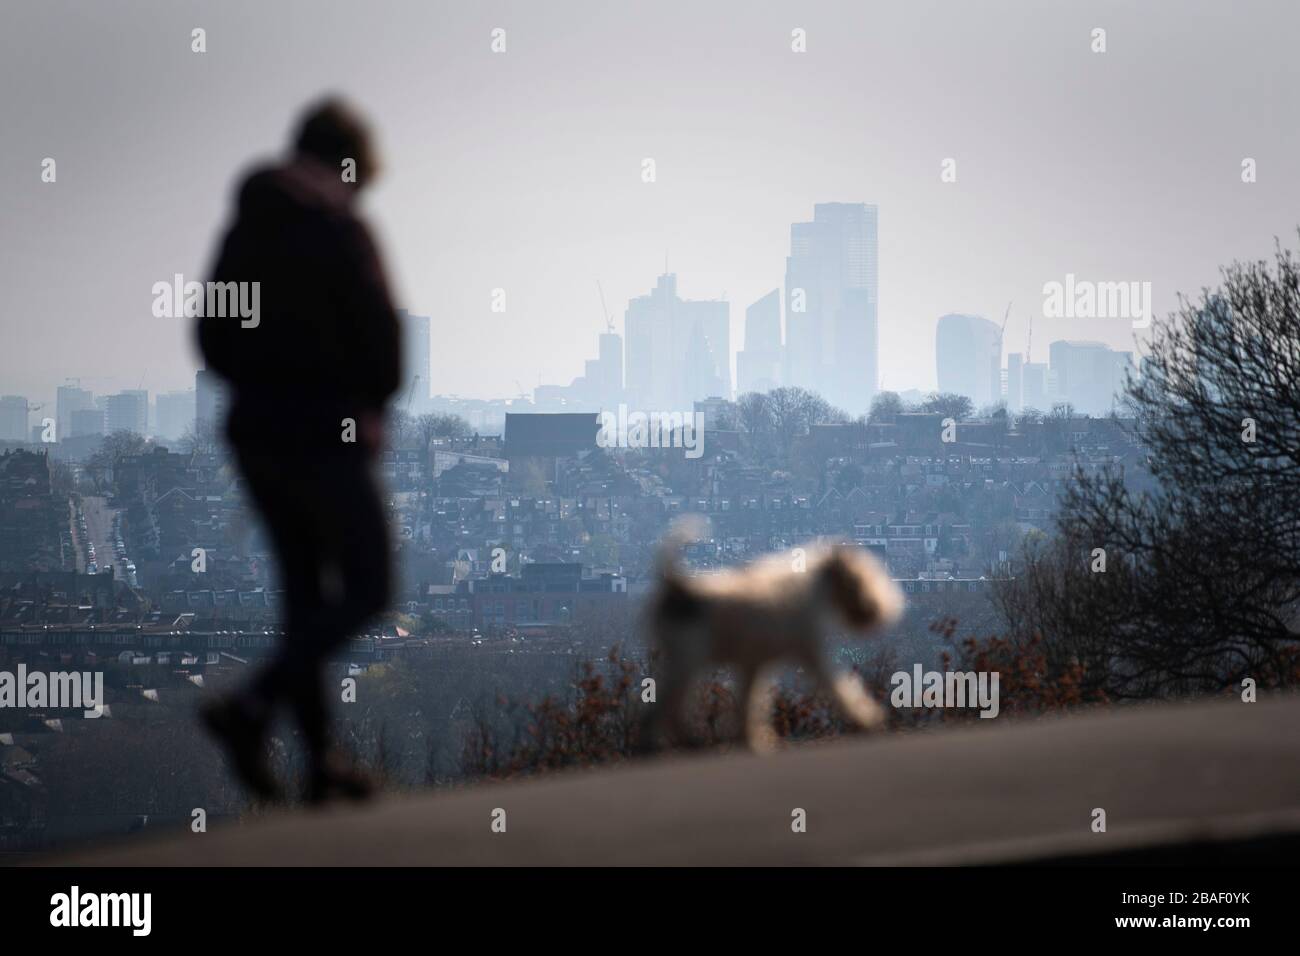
{"x":325,"y":348}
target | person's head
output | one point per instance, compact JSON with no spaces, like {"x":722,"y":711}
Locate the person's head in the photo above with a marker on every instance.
{"x":332,"y":131}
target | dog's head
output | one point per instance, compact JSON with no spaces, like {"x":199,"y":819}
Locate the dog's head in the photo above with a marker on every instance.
{"x":860,"y":588}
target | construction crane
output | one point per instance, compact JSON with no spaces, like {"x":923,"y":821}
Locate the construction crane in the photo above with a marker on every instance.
{"x":1002,"y":373}
{"x":609,"y":319}
{"x":410,"y":394}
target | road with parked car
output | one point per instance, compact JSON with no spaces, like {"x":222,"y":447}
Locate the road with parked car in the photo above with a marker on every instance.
{"x":101,"y":545}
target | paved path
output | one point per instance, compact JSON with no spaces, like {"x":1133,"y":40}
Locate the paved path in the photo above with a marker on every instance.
{"x":1001,"y":793}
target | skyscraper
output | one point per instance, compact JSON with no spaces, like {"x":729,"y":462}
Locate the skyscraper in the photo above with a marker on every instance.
{"x":831,"y":292}
{"x":608,"y":370}
{"x":677,"y":350}
{"x":968,"y":354}
{"x":1089,"y":375}
{"x":759,"y":363}
{"x":1015,"y":381}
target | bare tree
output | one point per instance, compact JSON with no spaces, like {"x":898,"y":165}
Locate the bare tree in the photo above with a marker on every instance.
{"x":437,"y":425}
{"x":115,"y":446}
{"x":754,"y":416}
{"x":948,"y":404}
{"x":62,"y":479}
{"x":200,"y":438}
{"x":885,"y":407}
{"x":794,"y":411}
{"x":1202,"y":566}
{"x":401,"y":428}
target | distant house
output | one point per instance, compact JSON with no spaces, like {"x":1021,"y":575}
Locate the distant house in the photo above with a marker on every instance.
{"x":535,"y":443}
{"x":545,"y":594}
{"x":1034,"y":505}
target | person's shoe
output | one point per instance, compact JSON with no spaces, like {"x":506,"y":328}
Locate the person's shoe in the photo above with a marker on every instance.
{"x":337,"y":777}
{"x":244,"y":740}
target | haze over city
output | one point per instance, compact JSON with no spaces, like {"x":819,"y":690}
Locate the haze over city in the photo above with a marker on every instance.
{"x":522,"y":171}
{"x":573,"y":436}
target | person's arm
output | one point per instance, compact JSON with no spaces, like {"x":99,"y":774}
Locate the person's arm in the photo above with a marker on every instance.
{"x":368,"y":317}
{"x":215,"y":341}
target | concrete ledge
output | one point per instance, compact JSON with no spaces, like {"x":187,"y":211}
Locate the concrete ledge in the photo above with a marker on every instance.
{"x":1167,"y":775}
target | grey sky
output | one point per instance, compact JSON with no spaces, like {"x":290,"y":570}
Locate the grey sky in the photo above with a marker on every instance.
{"x":522,"y":170}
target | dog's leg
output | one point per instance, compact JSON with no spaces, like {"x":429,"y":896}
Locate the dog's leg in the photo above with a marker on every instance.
{"x":847,"y":692}
{"x":754,"y":709}
{"x":745,"y":675}
{"x":666,"y":722}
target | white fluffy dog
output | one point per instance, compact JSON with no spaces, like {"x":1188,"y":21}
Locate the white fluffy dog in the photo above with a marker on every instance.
{"x":780,"y":609}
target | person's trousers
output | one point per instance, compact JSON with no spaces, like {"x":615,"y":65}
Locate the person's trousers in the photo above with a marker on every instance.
{"x":325,"y":516}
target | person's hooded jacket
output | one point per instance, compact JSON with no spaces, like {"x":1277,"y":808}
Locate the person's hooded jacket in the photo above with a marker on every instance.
{"x":326,"y":345}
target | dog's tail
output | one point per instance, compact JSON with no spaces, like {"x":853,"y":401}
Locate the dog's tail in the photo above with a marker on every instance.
{"x":684,"y":530}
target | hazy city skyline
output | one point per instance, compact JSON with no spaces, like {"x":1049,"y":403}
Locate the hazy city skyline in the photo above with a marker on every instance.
{"x":523,"y":170}
{"x":742,"y":433}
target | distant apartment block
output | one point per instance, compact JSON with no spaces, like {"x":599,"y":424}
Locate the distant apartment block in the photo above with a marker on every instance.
{"x":175,"y":413}
{"x":70,"y":399}
{"x":127,"y":411}
{"x":711,"y":411}
{"x":14,"y":418}
{"x":210,"y":400}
